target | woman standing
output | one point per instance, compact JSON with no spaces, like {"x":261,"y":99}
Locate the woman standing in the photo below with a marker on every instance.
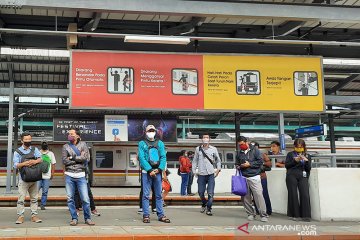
{"x":298,"y":166}
{"x":185,"y":166}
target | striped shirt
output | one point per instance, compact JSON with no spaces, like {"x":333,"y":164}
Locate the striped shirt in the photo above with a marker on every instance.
{"x":203,"y":165}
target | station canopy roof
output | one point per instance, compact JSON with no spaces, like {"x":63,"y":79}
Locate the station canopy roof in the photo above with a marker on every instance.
{"x":329,"y":28}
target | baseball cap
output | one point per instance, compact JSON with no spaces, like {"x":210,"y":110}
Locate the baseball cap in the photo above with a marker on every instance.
{"x":149,"y":127}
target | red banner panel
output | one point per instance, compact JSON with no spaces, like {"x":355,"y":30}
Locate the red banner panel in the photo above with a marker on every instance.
{"x":136,"y":81}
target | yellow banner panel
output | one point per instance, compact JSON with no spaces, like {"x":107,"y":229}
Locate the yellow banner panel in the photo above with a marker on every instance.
{"x":263,"y":83}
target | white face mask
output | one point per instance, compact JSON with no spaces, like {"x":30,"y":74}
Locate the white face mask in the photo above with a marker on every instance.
{"x":205,"y":140}
{"x":150,"y":135}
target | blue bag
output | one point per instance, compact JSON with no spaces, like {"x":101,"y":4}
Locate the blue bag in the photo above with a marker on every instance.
{"x":154,"y":155}
{"x":238,"y":184}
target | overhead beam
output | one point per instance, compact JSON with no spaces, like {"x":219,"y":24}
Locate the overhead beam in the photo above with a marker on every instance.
{"x":289,"y":27}
{"x":36,"y":72}
{"x":184,"y":28}
{"x":343,"y":83}
{"x":36,"y":92}
{"x":93,"y":23}
{"x":206,"y":9}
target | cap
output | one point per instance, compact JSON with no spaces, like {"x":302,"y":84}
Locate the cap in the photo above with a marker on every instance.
{"x":149,"y":127}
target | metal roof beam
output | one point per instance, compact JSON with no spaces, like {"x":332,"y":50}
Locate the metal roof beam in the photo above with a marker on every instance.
{"x":36,"y":72}
{"x":343,"y":83}
{"x":184,"y":28}
{"x":307,"y":12}
{"x":93,"y":23}
{"x":36,"y":92}
{"x":289,"y":27}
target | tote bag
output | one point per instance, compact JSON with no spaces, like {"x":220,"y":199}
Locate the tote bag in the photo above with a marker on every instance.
{"x":238,"y":184}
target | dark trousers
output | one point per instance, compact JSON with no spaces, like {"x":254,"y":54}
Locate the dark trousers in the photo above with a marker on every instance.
{"x":78,"y":201}
{"x":209,"y":181}
{"x":190,"y":182}
{"x":294,"y":182}
{"x":153,"y":198}
{"x":266,"y":198}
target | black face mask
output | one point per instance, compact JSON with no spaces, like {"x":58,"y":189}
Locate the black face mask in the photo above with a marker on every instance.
{"x":27,"y":144}
{"x":44,"y":146}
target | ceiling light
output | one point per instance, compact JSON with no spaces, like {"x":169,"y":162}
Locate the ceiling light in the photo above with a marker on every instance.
{"x":157,"y":39}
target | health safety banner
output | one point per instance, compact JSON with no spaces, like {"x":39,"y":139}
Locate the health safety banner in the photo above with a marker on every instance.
{"x":157,"y":81}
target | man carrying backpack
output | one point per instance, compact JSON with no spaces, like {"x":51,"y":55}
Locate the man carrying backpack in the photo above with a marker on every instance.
{"x":24,"y":157}
{"x":152,"y":157}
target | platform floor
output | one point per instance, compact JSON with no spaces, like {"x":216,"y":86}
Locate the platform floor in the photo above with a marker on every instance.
{"x":187,"y":222}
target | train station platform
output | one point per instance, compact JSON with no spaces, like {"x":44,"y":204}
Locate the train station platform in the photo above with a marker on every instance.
{"x":123,"y":222}
{"x":119,"y":220}
{"x":117,"y":196}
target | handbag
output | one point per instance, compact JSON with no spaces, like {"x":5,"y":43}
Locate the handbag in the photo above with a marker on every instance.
{"x":166,"y":186}
{"x":238,"y":184}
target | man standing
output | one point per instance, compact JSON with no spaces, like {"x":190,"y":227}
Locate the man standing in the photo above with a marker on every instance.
{"x":116,"y":76}
{"x":249,"y":161}
{"x":152,"y":157}
{"x":191,"y":175}
{"x":75,"y":156}
{"x":44,"y":184}
{"x":205,"y":160}
{"x":27,"y":156}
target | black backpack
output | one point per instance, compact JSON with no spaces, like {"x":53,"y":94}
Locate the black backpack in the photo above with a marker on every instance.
{"x":33,"y":173}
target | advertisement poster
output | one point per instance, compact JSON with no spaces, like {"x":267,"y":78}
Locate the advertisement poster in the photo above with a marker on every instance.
{"x":165,"y":129}
{"x":90,"y":129}
{"x":116,"y":128}
{"x":154,"y":81}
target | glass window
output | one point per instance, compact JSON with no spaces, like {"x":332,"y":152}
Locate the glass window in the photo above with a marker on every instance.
{"x":133,"y":160}
{"x":3,"y":158}
{"x":104,"y":159}
{"x":229,"y":157}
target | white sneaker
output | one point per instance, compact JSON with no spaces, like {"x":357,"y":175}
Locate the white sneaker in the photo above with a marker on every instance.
{"x":251,"y":218}
{"x":264,"y":219}
{"x":140,"y":211}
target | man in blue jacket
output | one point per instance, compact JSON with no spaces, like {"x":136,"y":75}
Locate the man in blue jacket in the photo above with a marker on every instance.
{"x":152,"y":157}
{"x":249,"y":161}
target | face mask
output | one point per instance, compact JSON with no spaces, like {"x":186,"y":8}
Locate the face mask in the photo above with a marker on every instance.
{"x":299,"y":150}
{"x":27,"y":144}
{"x":71,"y":138}
{"x":243,"y":147}
{"x":44,"y":146}
{"x":205,"y":140}
{"x":150,"y":135}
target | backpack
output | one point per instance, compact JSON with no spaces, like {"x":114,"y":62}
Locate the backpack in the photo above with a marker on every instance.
{"x":33,"y":173}
{"x":153,"y":153}
{"x":46,"y":161}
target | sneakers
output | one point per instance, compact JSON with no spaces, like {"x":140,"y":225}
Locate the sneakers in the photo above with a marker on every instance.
{"x":191,"y":194}
{"x":140,"y":211}
{"x":306,"y":220}
{"x":203,"y":208}
{"x":42,"y":207}
{"x":35,"y":219}
{"x":73,"y":222}
{"x":263,"y":219}
{"x":77,"y":212}
{"x":251,"y":218}
{"x":208,"y":212}
{"x":95,"y":213}
{"x":153,"y":211}
{"x":89,"y":222}
{"x":20,"y":220}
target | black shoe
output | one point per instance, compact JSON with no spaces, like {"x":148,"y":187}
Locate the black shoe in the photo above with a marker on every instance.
{"x":306,"y":220}
{"x":209,"y":213}
{"x":42,"y":207}
{"x":203,"y":208}
{"x":191,"y":194}
{"x":153,"y":211}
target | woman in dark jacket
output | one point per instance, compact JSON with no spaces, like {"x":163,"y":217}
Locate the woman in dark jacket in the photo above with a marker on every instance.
{"x":298,"y":166}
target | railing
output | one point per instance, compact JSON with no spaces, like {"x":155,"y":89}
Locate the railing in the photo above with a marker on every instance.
{"x":328,"y":160}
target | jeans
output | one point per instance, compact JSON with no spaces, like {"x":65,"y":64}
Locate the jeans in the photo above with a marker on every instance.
{"x":147,"y":182}
{"x":184,"y":183}
{"x":210,"y":181}
{"x":78,"y":200}
{"x":44,"y":184}
{"x":81,"y":184}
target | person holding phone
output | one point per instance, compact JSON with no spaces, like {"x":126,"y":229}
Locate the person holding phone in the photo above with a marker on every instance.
{"x":298,"y":167}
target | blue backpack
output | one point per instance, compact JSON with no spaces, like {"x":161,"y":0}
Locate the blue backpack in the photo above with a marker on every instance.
{"x":153,"y":152}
